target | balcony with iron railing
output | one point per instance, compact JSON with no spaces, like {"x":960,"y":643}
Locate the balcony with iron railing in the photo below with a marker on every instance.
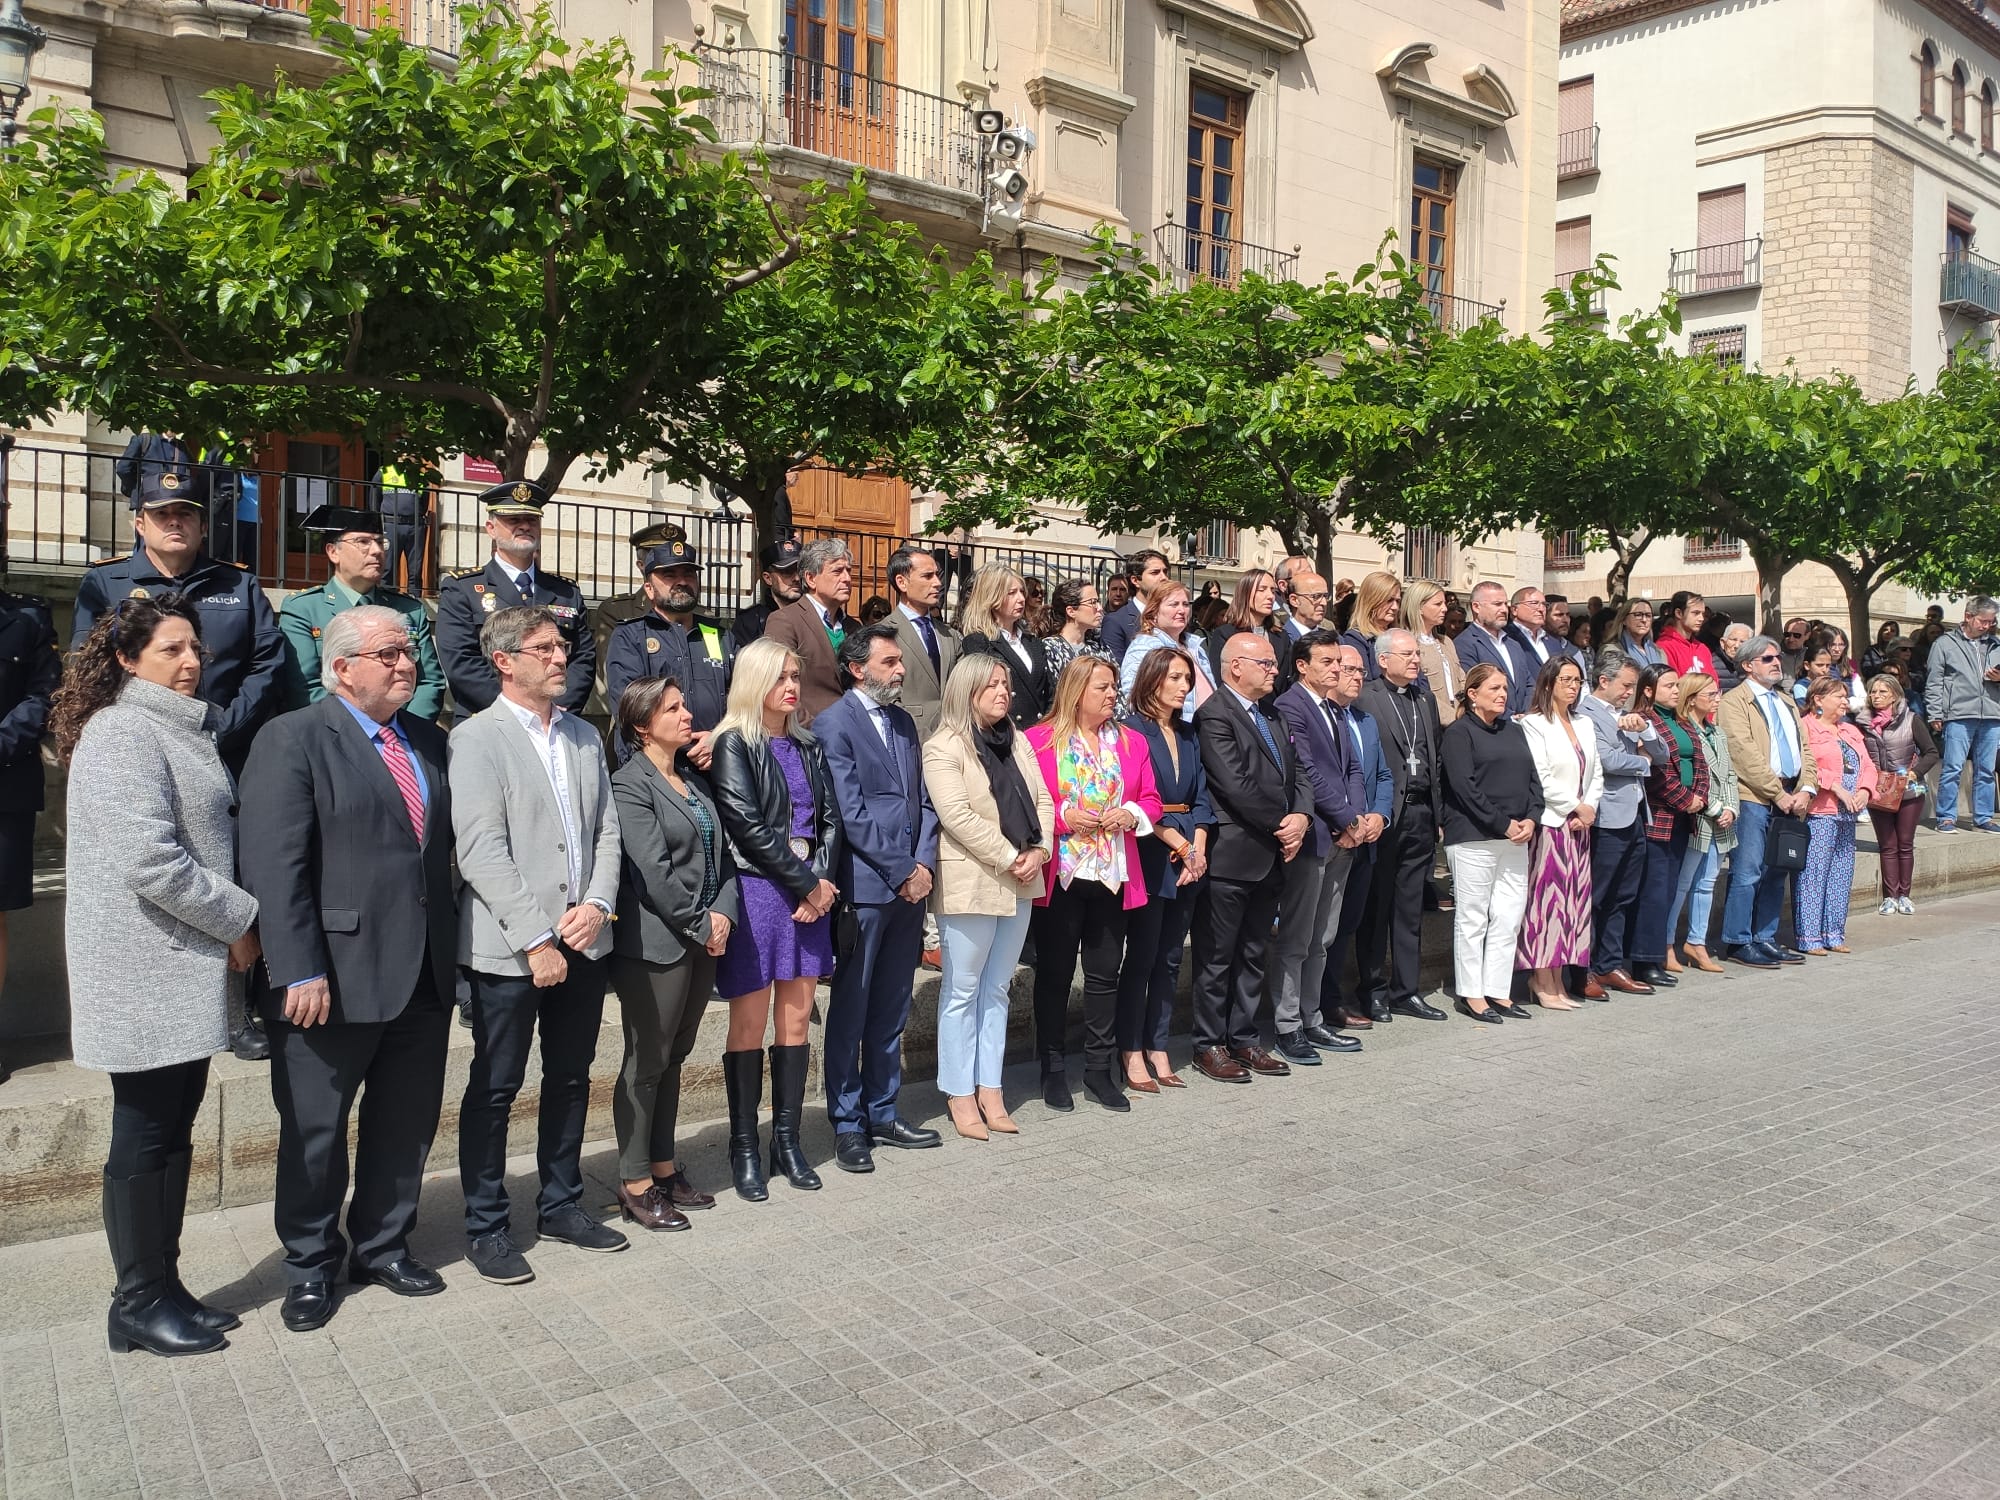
{"x":1711,"y":546}
{"x":1565,"y":279}
{"x":1576,"y":152}
{"x":783,"y":100}
{"x":1461,"y":312}
{"x":1969,"y":285}
{"x":425,"y":23}
{"x":1191,"y":255}
{"x":1735,"y":266}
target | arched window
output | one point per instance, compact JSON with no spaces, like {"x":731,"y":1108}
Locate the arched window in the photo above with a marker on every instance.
{"x":1988,"y":94}
{"x":1961,"y":78}
{"x":1927,"y":62}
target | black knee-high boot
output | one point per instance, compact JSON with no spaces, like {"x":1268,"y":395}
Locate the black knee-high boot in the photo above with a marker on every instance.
{"x":174,"y":1213}
{"x":145,"y":1314}
{"x":788,"y":1106}
{"x":743,"y":1080}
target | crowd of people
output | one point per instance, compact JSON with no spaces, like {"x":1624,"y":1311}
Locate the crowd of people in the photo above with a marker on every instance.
{"x":1079,"y":775}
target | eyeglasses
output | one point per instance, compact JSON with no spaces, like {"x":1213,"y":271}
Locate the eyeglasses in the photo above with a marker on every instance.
{"x":1320,"y":598}
{"x":1261,"y":663}
{"x":388,"y":656}
{"x":547,"y":652}
{"x":1767,"y":656}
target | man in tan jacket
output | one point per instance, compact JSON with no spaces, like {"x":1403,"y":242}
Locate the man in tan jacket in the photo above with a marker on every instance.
{"x":1774,"y":771}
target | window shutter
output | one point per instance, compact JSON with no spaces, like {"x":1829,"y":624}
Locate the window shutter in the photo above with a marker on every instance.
{"x":1576,"y":106}
{"x":1572,"y":246}
{"x":1720,"y":219}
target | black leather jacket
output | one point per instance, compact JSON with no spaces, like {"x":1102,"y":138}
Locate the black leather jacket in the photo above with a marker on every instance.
{"x":756,"y":812}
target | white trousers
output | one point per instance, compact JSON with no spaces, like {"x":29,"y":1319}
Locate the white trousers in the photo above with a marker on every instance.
{"x":1489,"y":881}
{"x":979,"y":958}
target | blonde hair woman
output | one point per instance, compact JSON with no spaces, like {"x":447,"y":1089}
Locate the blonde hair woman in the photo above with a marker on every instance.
{"x":995,"y":623}
{"x":1378,"y":606}
{"x":775,"y":795}
{"x":996,"y":829}
{"x":1424,"y":607}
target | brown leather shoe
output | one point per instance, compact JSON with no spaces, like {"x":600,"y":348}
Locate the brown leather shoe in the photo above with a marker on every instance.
{"x":1592,"y":990}
{"x":1257,"y":1060}
{"x":650,"y":1209}
{"x":1622,"y":982}
{"x":1216,"y":1063}
{"x":684,"y":1194}
{"x":1353,"y":1020}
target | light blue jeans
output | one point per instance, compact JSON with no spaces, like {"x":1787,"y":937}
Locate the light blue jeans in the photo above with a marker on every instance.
{"x":979,"y":958}
{"x":1977,"y":739}
{"x":1695,"y":891}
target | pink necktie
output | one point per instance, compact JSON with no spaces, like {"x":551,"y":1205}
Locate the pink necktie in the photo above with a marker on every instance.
{"x":397,"y":759}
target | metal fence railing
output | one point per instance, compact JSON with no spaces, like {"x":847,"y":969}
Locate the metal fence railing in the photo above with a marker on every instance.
{"x":762,"y":97}
{"x":1460,"y":312}
{"x":427,"y":23}
{"x":1190,"y":255}
{"x":1717,"y":268}
{"x":1970,"y":284}
{"x":1576,"y":152}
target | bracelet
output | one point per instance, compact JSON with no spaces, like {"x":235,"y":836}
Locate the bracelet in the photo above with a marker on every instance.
{"x":543,"y":946}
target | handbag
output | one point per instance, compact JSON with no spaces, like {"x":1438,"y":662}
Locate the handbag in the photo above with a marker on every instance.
{"x":1888,"y":793}
{"x":1786,"y":845}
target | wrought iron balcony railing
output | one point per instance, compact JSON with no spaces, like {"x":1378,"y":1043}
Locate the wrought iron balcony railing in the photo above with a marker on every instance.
{"x":427,"y":23}
{"x":1969,"y":284}
{"x":1565,"y":279}
{"x":1460,"y":312}
{"x":1576,"y":152}
{"x":1728,"y":267}
{"x":1191,"y":255}
{"x":771,"y":98}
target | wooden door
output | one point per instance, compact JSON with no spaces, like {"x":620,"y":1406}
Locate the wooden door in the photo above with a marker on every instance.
{"x":870,"y":513}
{"x":840,"y":79}
{"x":301,"y":472}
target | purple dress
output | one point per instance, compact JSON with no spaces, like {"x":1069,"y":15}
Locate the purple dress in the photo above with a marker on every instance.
{"x":767,"y":944}
{"x":1556,"y":931}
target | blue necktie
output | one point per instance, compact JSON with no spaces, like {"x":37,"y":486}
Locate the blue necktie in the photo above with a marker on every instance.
{"x":1788,"y":761}
{"x":930,"y":645}
{"x":1264,"y":729}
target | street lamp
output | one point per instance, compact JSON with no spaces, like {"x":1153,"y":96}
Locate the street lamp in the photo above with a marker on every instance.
{"x":20,"y":40}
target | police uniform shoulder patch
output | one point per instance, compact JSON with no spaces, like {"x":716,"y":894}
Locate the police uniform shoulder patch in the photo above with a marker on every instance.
{"x":464,"y":573}
{"x":103,"y":562}
{"x":241,"y":567}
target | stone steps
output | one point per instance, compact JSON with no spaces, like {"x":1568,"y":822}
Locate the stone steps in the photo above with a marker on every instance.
{"x":55,"y":1118}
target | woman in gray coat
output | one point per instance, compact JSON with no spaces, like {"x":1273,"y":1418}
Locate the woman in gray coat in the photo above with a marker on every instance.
{"x":155,"y":925}
{"x":677,"y":904}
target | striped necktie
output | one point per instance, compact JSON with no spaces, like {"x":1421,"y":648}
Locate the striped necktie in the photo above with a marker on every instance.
{"x":397,"y":759}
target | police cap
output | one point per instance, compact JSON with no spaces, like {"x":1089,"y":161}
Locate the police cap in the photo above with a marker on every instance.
{"x":161,"y":487}
{"x":336,"y":521}
{"x":515,"y":497}
{"x":780,"y":557}
{"x":674,"y":554}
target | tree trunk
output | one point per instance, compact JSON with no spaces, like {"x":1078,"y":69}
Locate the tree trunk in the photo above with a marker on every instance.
{"x":770,"y":511}
{"x":1771,"y":566}
{"x":1859,"y":585}
{"x":1322,"y":530}
{"x":1627,"y":551}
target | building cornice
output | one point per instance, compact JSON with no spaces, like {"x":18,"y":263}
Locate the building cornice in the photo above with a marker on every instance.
{"x":1094,"y":99}
{"x":1399,"y":72}
{"x":1289,"y":32}
{"x":1588,"y":19}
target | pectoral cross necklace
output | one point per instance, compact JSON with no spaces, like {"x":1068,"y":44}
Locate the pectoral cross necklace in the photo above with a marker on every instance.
{"x":1412,"y":760}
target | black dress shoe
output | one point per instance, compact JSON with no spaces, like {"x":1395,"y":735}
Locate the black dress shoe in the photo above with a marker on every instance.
{"x":1489,"y":1015}
{"x":250,"y":1044}
{"x":1654,"y":975}
{"x":1510,"y":1010}
{"x":1331,"y":1041}
{"x":405,"y":1276}
{"x":684,"y":1194}
{"x":1378,"y":1012}
{"x":573,"y":1226}
{"x":1293,"y":1047}
{"x":1787,"y":955}
{"x":307,"y":1306}
{"x":1414,"y":1008}
{"x":1753,"y":956}
{"x":851,"y":1153}
{"x":900,"y":1132}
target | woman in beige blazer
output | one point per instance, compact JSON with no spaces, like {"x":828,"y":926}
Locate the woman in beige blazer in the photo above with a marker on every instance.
{"x":996,"y":825}
{"x":1423,"y":616}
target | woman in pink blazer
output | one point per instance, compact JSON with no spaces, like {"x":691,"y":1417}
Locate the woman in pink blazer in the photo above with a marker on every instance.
{"x":1847,"y":776}
{"x":1100,"y":777}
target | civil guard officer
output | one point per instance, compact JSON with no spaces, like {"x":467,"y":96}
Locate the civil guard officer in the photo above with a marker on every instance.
{"x":619,"y":608}
{"x":357,"y":553}
{"x":240,"y":638}
{"x":671,"y":640}
{"x":513,"y":577}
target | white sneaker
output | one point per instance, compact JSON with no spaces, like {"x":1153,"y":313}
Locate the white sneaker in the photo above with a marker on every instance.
{"x":1904,"y":906}
{"x":1888,"y":907}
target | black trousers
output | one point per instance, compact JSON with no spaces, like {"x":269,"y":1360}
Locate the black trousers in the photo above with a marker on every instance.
{"x":1354,"y":903}
{"x":397,"y":1067}
{"x":1617,"y":867}
{"x":1232,"y":937}
{"x":404,"y":539}
{"x":1086,"y":918}
{"x":1661,"y":861}
{"x":152,"y":1116}
{"x":1155,"y":937}
{"x":662,"y":1006}
{"x":506,"y":1010}
{"x":1392,"y":928}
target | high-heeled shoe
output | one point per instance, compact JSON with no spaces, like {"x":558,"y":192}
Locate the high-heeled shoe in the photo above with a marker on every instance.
{"x":788,"y":1100}
{"x":1699,"y":960}
{"x":993,"y":1109}
{"x":743,"y":1078}
{"x":1165,"y":1076}
{"x":1490,"y":1016}
{"x":965,"y":1118}
{"x":1673,"y":964}
{"x":1143,"y":1084}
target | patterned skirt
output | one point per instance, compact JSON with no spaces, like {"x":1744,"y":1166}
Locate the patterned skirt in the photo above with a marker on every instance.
{"x":1557,"y":929}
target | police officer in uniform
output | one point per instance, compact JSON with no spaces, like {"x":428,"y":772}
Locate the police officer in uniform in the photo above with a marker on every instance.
{"x":784,"y":583}
{"x":671,"y":640}
{"x":514,"y":522}
{"x":30,"y":671}
{"x":616,"y":610}
{"x":357,"y":552}
{"x":239,"y":634}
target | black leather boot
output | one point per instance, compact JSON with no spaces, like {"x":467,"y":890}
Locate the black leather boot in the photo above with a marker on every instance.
{"x":174,"y":1214}
{"x":1055,"y":1083}
{"x":743,"y":1080}
{"x":788,"y":1105}
{"x":144,"y":1315}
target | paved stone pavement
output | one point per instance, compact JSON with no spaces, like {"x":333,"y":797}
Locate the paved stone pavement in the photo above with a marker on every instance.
{"x":1743,"y":1239}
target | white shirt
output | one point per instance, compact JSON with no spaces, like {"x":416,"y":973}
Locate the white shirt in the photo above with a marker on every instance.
{"x":1786,"y":726}
{"x":549,"y":745}
{"x":1012,"y":639}
{"x":1536,"y":638}
{"x":1499,"y":638}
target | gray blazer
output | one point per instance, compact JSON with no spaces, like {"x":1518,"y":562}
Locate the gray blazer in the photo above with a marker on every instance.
{"x":923,"y":689}
{"x":660,"y":915}
{"x":1625,"y":761}
{"x":153,"y":904}
{"x":509,"y":836}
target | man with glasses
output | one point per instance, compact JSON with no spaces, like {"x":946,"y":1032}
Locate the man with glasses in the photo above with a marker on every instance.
{"x":357,"y":556}
{"x":351,"y":868}
{"x":1774,"y":774}
{"x":1391,"y":941}
{"x":1263,"y":813}
{"x":1962,"y":701}
{"x":1791,"y":654}
{"x":1533,"y":633}
{"x":1309,"y":600}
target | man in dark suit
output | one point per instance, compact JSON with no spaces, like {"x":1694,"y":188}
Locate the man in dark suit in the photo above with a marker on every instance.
{"x":930,"y":647}
{"x":1378,"y":806}
{"x":1534,"y":643}
{"x":1263,"y":813}
{"x":1485,"y":639}
{"x":888,"y":854}
{"x":351,"y":868}
{"x":1309,"y":906}
{"x":1406,"y":716}
{"x":1147,"y":570}
{"x":513,"y":577}
{"x":816,"y":624}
